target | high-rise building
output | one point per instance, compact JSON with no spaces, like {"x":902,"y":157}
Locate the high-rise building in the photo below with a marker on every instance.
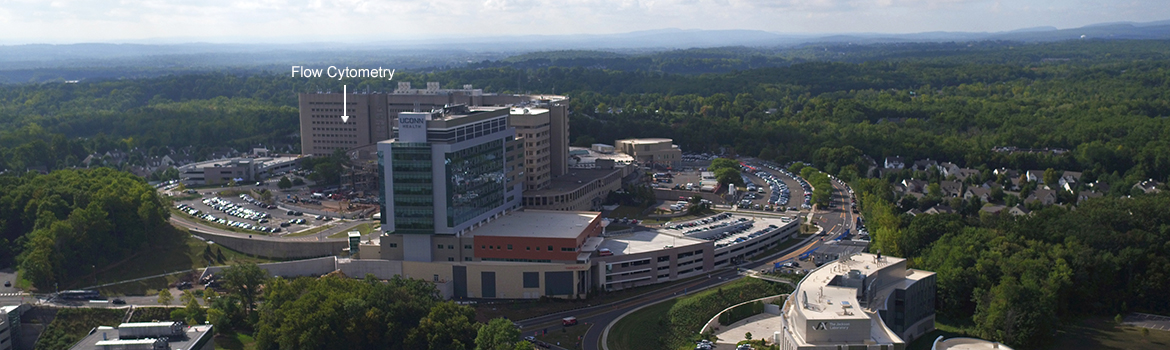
{"x":373,"y":116}
{"x":447,"y":172}
{"x":533,"y":128}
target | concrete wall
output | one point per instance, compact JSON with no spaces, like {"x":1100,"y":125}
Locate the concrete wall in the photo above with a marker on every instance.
{"x":669,"y":194}
{"x":307,"y":267}
{"x":276,"y":248}
{"x":714,"y":322}
{"x":381,"y":269}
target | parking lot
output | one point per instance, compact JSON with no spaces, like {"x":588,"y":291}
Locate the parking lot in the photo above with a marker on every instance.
{"x":1155,"y":322}
{"x":248,"y":215}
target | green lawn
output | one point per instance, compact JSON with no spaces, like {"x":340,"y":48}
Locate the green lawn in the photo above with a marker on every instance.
{"x":566,"y":337}
{"x":364,"y":229}
{"x":782,"y":246}
{"x":649,"y":327}
{"x":186,"y":253}
{"x":1102,"y":333}
{"x":237,"y":341}
{"x":311,"y":231}
{"x":520,"y":310}
{"x":638,"y":330}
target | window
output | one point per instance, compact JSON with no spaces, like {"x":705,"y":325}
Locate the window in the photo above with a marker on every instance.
{"x":467,"y":258}
{"x":664,"y":258}
{"x":440,"y":246}
{"x":527,"y":248}
{"x":450,"y":259}
{"x":393,"y":245}
{"x":466,"y":246}
{"x":509,"y":247}
{"x":450,"y":246}
{"x":550,"y":248}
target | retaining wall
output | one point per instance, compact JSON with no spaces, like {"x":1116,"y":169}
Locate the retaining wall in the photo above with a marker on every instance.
{"x":714,"y":322}
{"x":276,"y":248}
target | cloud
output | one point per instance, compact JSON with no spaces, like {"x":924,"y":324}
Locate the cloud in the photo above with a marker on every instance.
{"x":314,"y":20}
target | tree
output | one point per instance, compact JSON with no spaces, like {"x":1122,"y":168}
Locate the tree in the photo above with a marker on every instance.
{"x":729,"y":176}
{"x":1052,"y":178}
{"x":244,"y":282}
{"x":284,"y":183}
{"x":723,"y":163}
{"x":747,"y":335}
{"x":298,"y":182}
{"x":499,"y":334}
{"x":165,"y":297}
{"x":448,"y":326}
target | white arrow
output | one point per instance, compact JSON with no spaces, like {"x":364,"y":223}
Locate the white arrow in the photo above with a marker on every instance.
{"x":344,"y":105}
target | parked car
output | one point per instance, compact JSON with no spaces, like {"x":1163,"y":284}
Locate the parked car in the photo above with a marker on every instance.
{"x":118,"y":302}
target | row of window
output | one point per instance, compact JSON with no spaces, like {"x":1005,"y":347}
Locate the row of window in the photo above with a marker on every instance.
{"x":335,"y":129}
{"x":336,"y":141}
{"x":509,"y":247}
{"x":452,"y":246}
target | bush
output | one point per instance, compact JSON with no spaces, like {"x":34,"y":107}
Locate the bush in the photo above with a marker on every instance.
{"x":689,"y":314}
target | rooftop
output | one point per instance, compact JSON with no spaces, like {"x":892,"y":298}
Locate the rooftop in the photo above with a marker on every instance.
{"x":650,"y":140}
{"x":108,"y":336}
{"x":574,"y":179}
{"x":538,"y":223}
{"x":967,"y":344}
{"x":645,"y":241}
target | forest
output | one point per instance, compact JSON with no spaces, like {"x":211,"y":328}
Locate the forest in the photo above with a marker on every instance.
{"x":839,"y":108}
{"x":59,"y":227}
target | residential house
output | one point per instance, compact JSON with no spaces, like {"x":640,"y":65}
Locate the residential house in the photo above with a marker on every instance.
{"x":924,"y":165}
{"x":895,"y":163}
{"x":952,"y":189}
{"x":963,"y":173}
{"x":983,"y":194}
{"x":940,"y":209}
{"x":914,"y":212}
{"x":948,"y":168}
{"x":915,"y":186}
{"x":1019,"y":210}
{"x":993,"y":208}
{"x":1086,"y":195}
{"x":1036,"y":176}
{"x":1149,"y":186}
{"x":1045,"y":197}
{"x":1069,"y":180}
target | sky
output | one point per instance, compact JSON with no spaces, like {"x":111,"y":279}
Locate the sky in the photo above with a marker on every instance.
{"x":290,"y":21}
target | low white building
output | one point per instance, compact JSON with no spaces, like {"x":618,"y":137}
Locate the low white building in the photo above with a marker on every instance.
{"x":862,"y":301}
{"x":214,"y":172}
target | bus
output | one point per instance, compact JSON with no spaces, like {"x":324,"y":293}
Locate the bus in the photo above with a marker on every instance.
{"x":79,"y":294}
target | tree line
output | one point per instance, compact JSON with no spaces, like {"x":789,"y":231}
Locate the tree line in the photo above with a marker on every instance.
{"x":60,"y":227}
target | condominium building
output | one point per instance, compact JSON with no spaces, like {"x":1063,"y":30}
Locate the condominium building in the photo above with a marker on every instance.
{"x":861,"y":301}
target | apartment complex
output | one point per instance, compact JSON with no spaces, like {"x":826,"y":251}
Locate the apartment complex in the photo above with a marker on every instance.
{"x":861,"y":301}
{"x":651,"y":152}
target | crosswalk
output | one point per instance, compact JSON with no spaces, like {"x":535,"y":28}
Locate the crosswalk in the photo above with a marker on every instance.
{"x":16,"y":294}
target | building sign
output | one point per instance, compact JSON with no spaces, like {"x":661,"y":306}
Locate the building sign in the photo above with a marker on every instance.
{"x":832,"y":326}
{"x":412,"y":127}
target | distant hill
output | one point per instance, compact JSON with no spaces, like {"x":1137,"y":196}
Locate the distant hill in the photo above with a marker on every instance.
{"x":44,"y":62}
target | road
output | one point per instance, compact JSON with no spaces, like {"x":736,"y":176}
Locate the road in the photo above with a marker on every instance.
{"x":835,"y":220}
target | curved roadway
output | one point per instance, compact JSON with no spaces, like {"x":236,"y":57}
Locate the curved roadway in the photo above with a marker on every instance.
{"x":836,"y":220}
